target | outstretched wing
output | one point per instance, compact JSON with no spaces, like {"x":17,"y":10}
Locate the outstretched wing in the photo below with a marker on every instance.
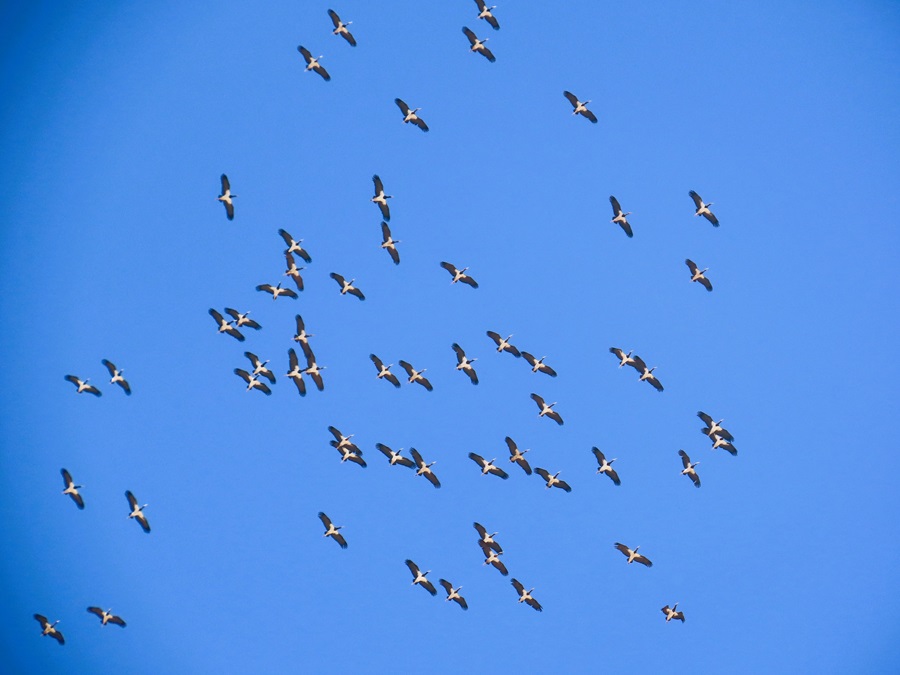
{"x":572,"y":98}
{"x":402,"y":105}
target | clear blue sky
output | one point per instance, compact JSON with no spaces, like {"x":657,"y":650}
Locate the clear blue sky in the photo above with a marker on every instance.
{"x":116,"y":123}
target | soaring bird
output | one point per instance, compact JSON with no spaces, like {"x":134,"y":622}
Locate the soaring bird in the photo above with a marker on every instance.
{"x":225,"y":326}
{"x":423,"y":469}
{"x":503,"y":344}
{"x":259,"y":367}
{"x":384,"y":372}
{"x":394,"y":457}
{"x":293,"y":271}
{"x":341,"y":441}
{"x":72,"y":489}
{"x":252,"y":381}
{"x":277,"y":291}
{"x":453,"y":593}
{"x":415,"y":375}
{"x":48,"y":628}
{"x":580,"y":107}
{"x":714,"y":428}
{"x":492,"y":557}
{"x":332,"y":531}
{"x":137,"y":512}
{"x":388,"y":243}
{"x":242,"y":319}
{"x":301,"y":336}
{"x":486,"y":540}
{"x":340,"y":28}
{"x":313,"y":369}
{"x":380,"y":198}
{"x":347,"y":286}
{"x":646,"y":373}
{"x":313,"y":63}
{"x":226,"y":197}
{"x":703,"y":209}
{"x":83,"y":386}
{"x":689,"y":468}
{"x":719,"y":442}
{"x":518,"y":456}
{"x":464,"y":363}
{"x":525,"y":596}
{"x":620,"y":217}
{"x":606,"y":466}
{"x":552,"y":481}
{"x":409,"y":115}
{"x":293,"y":245}
{"x":296,"y":373}
{"x":538,"y":365}
{"x":419,"y":577}
{"x":116,"y":376}
{"x":672,"y":614}
{"x":477,"y":45}
{"x":697,"y":274}
{"x":488,"y":467}
{"x":624,"y":359}
{"x":547,"y":409}
{"x":484,"y":12}
{"x":459,"y":275}
{"x":633,"y":555}
{"x":348,"y":455}
{"x":107,"y":616}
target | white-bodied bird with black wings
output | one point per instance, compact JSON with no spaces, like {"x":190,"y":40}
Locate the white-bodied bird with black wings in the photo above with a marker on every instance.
{"x":719,"y":442}
{"x":137,"y":512}
{"x":347,"y":286}
{"x":277,"y":291}
{"x":313,"y":369}
{"x":301,"y":335}
{"x":714,"y":428}
{"x":332,"y":531}
{"x":486,"y":540}
{"x":312,"y":63}
{"x":384,"y":372}
{"x":410,"y":116}
{"x":703,"y":209}
{"x":107,"y":616}
{"x":633,"y":555}
{"x":116,"y":376}
{"x":349,"y":455}
{"x":484,"y":12}
{"x":423,"y":469}
{"x":340,"y":441}
{"x":48,"y":628}
{"x":252,"y":381}
{"x":552,"y":481}
{"x":605,"y":466}
{"x":525,"y":596}
{"x":419,"y":577}
{"x":293,"y":245}
{"x":672,"y":613}
{"x":453,"y":593}
{"x":380,"y":198}
{"x":646,"y":373}
{"x":226,"y":197}
{"x":488,"y":466}
{"x":476,"y":45}
{"x":72,"y":489}
{"x":538,"y":365}
{"x":546,"y":409}
{"x":415,"y":375}
{"x":459,"y":275}
{"x":226,"y":326}
{"x":293,"y":271}
{"x":389,"y":244}
{"x":340,"y":28}
{"x":619,"y":217}
{"x":394,"y":457}
{"x":503,"y":344}
{"x":689,"y":468}
{"x":464,"y":363}
{"x":518,"y":456}
{"x":492,"y":557}
{"x":296,"y":373}
{"x":82,"y":386}
{"x":580,"y":107}
{"x":259,"y":367}
{"x":624,"y":359}
{"x":242,"y":319}
{"x":697,"y":274}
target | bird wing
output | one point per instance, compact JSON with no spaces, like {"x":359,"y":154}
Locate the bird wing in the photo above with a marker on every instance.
{"x":301,"y":385}
{"x":469,"y":34}
{"x":326,"y":521}
{"x":428,"y":586}
{"x":419,"y":122}
{"x":487,"y":53}
{"x":338,"y":278}
{"x":67,"y":477}
{"x":289,"y":293}
{"x":407,"y":367}
{"x":226,"y":186}
{"x":288,"y":239}
{"x":307,"y":55}
{"x":293,"y":361}
{"x":339,"y":538}
{"x":337,"y":434}
{"x":335,"y":19}
{"x":460,"y":354}
{"x":321,"y":71}
{"x":385,"y":450}
{"x":413,"y":568}
{"x":692,"y":266}
{"x":556,"y":417}
{"x":353,"y":457}
{"x":695,"y":478}
{"x":358,"y":293}
{"x":142,"y":519}
{"x":724,"y":433}
{"x":417,"y":457}
{"x":526,"y":467}
{"x":697,"y":200}
{"x":56,"y":635}
{"x":537,"y":399}
{"x":544,"y":368}
{"x":96,"y":610}
{"x":110,"y":367}
{"x":706,"y":418}
{"x":655,"y":382}
{"x":493,"y":21}
{"x":268,"y":288}
{"x":41,"y":619}
{"x":77,"y":498}
{"x":480,"y":4}
{"x":395,"y":255}
{"x":379,"y":186}
{"x":447,"y":585}
{"x":614,"y":476}
{"x":590,"y":115}
{"x":385,"y":231}
{"x":402,"y":105}
{"x":615,"y":206}
{"x":535,"y":604}
{"x":254,"y":359}
{"x":466,"y":279}
{"x":132,"y":502}
{"x":482,"y":532}
{"x":530,"y":358}
{"x":215,"y":315}
{"x":626,"y":227}
{"x":229,"y":210}
{"x":706,"y":283}
{"x":378,"y":362}
{"x":390,"y":377}
{"x":243,"y":374}
{"x":385,"y":210}
{"x":425,"y":383}
{"x":497,"y":471}
{"x":71,"y":378}
{"x":543,"y":473}
{"x":91,"y":389}
{"x":478,"y":459}
{"x":685,"y":460}
{"x":308,"y":353}
{"x":644,"y":560}
{"x":711,"y":217}
{"x":623,"y":548}
{"x":638,"y":364}
{"x":572,"y":98}
{"x":470,"y":371}
{"x":118,"y":620}
{"x":300,"y":325}
{"x":433,"y":479}
{"x":348,"y":36}
{"x":500,"y":566}
{"x":520,"y":589}
{"x":563,"y":485}
{"x":599,"y":455}
{"x":511,"y":444}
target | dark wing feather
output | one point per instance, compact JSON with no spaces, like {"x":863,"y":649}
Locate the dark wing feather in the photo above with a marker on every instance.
{"x":535,"y":604}
{"x":67,"y":477}
{"x":395,"y":255}
{"x":696,"y":198}
{"x":447,"y":585}
{"x":711,"y":217}
{"x":229,"y":210}
{"x":235,"y":333}
{"x":407,"y":367}
{"x":378,"y":362}
{"x":543,"y":473}
{"x":537,"y":399}
{"x":487,"y":53}
{"x":379,"y":186}
{"x":402,"y":105}
{"x":599,"y":455}
{"x":493,"y":21}
{"x":425,"y":383}
{"x":555,"y":416}
{"x":358,"y":293}
{"x":326,"y":521}
{"x":466,"y":279}
{"x":226,"y":186}
{"x":118,"y":620}
{"x":413,"y":568}
{"x":706,"y":283}
{"x":348,"y":36}
{"x":626,"y":227}
{"x":385,"y":210}
{"x":638,"y":364}
{"x":590,"y":115}
{"x":390,"y":377}
{"x":417,"y":457}
{"x":307,"y":55}
{"x":97,"y":611}
{"x":301,"y":385}
{"x":469,"y":34}
{"x":335,"y":19}
{"x":132,"y":502}
{"x":614,"y":476}
{"x":460,"y":354}
{"x":692,"y":266}
{"x":288,"y":239}
{"x":563,"y":485}
{"x":321,"y":71}
{"x":478,"y":459}
{"x":643,"y":560}
{"x":685,"y":460}
{"x":428,"y":586}
{"x":572,"y":98}
{"x":433,"y":479}
{"x":419,"y":122}
{"x":109,"y":366}
{"x":615,"y":206}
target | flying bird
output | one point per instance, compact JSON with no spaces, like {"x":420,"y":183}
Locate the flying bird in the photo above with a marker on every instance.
{"x":116,"y":376}
{"x":703,"y":209}
{"x":293,"y":271}
{"x":296,"y":373}
{"x":225,"y":326}
{"x":259,"y":367}
{"x":341,"y":441}
{"x":252,"y":381}
{"x":453,"y":593}
{"x":48,"y":628}
{"x":580,"y":107}
{"x":697,"y":274}
{"x":714,"y":428}
{"x":525,"y":596}
{"x":313,"y":63}
{"x":477,"y":45}
{"x":380,"y":198}
{"x":547,"y":409}
{"x":672,"y":614}
{"x":552,"y":481}
{"x":394,"y":457}
{"x":226,"y":197}
{"x":349,"y":455}
{"x":503,"y":344}
{"x":416,"y":375}
{"x":488,"y":467}
{"x":72,"y":489}
{"x":689,"y":468}
{"x":423,"y":469}
{"x":633,"y":555}
{"x":646,"y":373}
{"x":484,"y":12}
{"x":419,"y":577}
{"x":624,"y":359}
{"x":606,"y":466}
{"x":389,"y":244}
{"x":619,"y":217}
{"x":518,"y":456}
{"x":347,"y":286}
{"x":332,"y":531}
{"x":464,"y":363}
{"x":137,"y":512}
{"x":293,"y":246}
{"x":83,"y":386}
{"x":538,"y":365}
{"x":107,"y":616}
{"x":719,"y":442}
{"x":301,"y":336}
{"x":459,"y":275}
{"x":340,"y":28}
{"x":384,"y":372}
{"x":492,"y":557}
{"x":242,"y":319}
{"x":486,"y":540}
{"x":410,"y":115}
{"x":277,"y":291}
{"x":313,"y":369}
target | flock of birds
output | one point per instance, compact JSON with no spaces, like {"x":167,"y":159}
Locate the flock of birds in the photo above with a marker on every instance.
{"x":258,"y":376}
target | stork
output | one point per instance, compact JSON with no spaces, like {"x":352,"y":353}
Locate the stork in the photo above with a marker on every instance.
{"x":487,"y":541}
{"x":340,"y":28}
{"x":242,"y":319}
{"x":313,"y":369}
{"x":225,"y":326}
{"x":293,"y":271}
{"x":116,"y":376}
{"x":277,"y":291}
{"x":459,"y":275}
{"x":301,"y":336}
{"x":714,"y":428}
{"x":547,"y":409}
{"x":252,"y":381}
{"x":633,"y":555}
{"x":293,"y":245}
{"x":453,"y":593}
{"x":423,"y":469}
{"x":492,"y":557}
{"x":83,"y":386}
{"x":697,"y":274}
{"x":226,"y":197}
{"x":606,"y":466}
{"x":464,"y":363}
{"x":107,"y":616}
{"x":416,"y":375}
{"x":552,"y":481}
{"x":296,"y":373}
{"x":72,"y":489}
{"x":703,"y":209}
{"x":488,"y":467}
{"x":313,"y":63}
{"x":332,"y":531}
{"x":349,"y":455}
{"x":48,"y":628}
{"x":719,"y":442}
{"x":503,"y":344}
{"x":624,"y":359}
{"x":341,"y":441}
{"x":394,"y":457}
{"x":484,"y":12}
{"x":646,"y":373}
{"x":672,"y":614}
{"x":347,"y":286}
{"x":384,"y":372}
{"x":259,"y":367}
{"x":389,"y":244}
{"x":518,"y":456}
{"x":419,"y":577}
{"x":580,"y":107}
{"x":380,"y":198}
{"x":538,"y":365}
{"x":689,"y":468}
{"x":410,"y":116}
{"x":137,"y":512}
{"x":619,"y":217}
{"x":477,"y":45}
{"x":525,"y":596}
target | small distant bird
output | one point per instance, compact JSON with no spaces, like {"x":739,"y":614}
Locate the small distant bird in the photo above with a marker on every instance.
{"x":384,"y":372}
{"x":313,"y":369}
{"x":410,"y":115}
{"x":546,"y":409}
{"x":719,"y":442}
{"x":332,"y":531}
{"x":277,"y":291}
{"x":293,"y":271}
{"x":477,"y":45}
{"x":296,"y":373}
{"x":293,"y":246}
{"x":619,"y":217}
{"x":580,"y":107}
{"x":347,"y":286}
{"x":242,"y":319}
{"x":503,"y":344}
{"x":416,"y":375}
{"x":252,"y":381}
{"x":672,"y":614}
{"x":137,"y":512}
{"x":492,"y":557}
{"x":488,"y":467}
{"x":633,"y":555}
{"x":348,"y":455}
{"x":459,"y":275}
{"x":225,"y":326}
{"x":423,"y":469}
{"x":313,"y":63}
{"x":484,"y":12}
{"x":341,"y":441}
{"x":394,"y":457}
{"x":419,"y":577}
{"x":552,"y":481}
{"x":226,"y":197}
{"x":689,"y":468}
{"x":525,"y":596}
{"x":380,"y":198}
{"x":606,"y":466}
{"x":389,"y":244}
{"x":487,"y":541}
{"x":538,"y":365}
{"x":464,"y":363}
{"x":646,"y":373}
{"x":518,"y":456}
{"x":703,"y":209}
{"x":340,"y":28}
{"x":48,"y":628}
{"x":624,"y":359}
{"x":71,"y":488}
{"x":697,"y":274}
{"x":107,"y":616}
{"x":453,"y":593}
{"x":301,"y":335}
{"x":259,"y":367}
{"x":83,"y":386}
{"x":116,"y":376}
{"x":714,"y":428}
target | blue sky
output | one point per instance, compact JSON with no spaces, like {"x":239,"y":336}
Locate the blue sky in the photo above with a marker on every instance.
{"x":118,"y":121}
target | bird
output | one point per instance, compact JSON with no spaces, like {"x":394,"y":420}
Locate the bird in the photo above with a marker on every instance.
{"x":453,"y":593}
{"x":347,"y":286}
{"x":423,"y":469}
{"x":380,"y":198}
{"x":277,"y":291}
{"x":313,"y":63}
{"x":384,"y":372}
{"x":83,"y":386}
{"x":416,"y":375}
{"x":465,"y":364}
{"x":624,"y":359}
{"x":293,"y":271}
{"x":703,"y":209}
{"x":225,"y":326}
{"x":459,"y":275}
{"x":409,"y":115}
{"x":340,"y":28}
{"x":503,"y":344}
{"x":492,"y":557}
{"x":606,"y":466}
{"x":484,"y":12}
{"x":488,"y":467}
{"x":552,"y":481}
{"x":486,"y":540}
{"x":313,"y":369}
{"x":48,"y":628}
{"x":332,"y":531}
{"x":226,"y":197}
{"x":525,"y":596}
{"x":301,"y":336}
{"x":419,"y":577}
{"x":633,"y":555}
{"x":646,"y":373}
{"x":580,"y":107}
{"x":242,"y":319}
{"x":689,"y":468}
{"x":518,"y":456}
{"x":293,"y":245}
{"x":341,"y":441}
{"x":252,"y":382}
{"x":349,"y":455}
{"x":295,"y":373}
{"x":259,"y":367}
{"x":697,"y":274}
{"x":72,"y":489}
{"x":394,"y":457}
{"x":137,"y":512}
{"x":116,"y":376}
{"x":478,"y":45}
{"x":389,"y":244}
{"x":672,"y":614}
{"x":619,"y":217}
{"x":719,"y":442}
{"x":107,"y":616}
{"x":714,"y":428}
{"x":538,"y":364}
{"x":546,"y":409}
